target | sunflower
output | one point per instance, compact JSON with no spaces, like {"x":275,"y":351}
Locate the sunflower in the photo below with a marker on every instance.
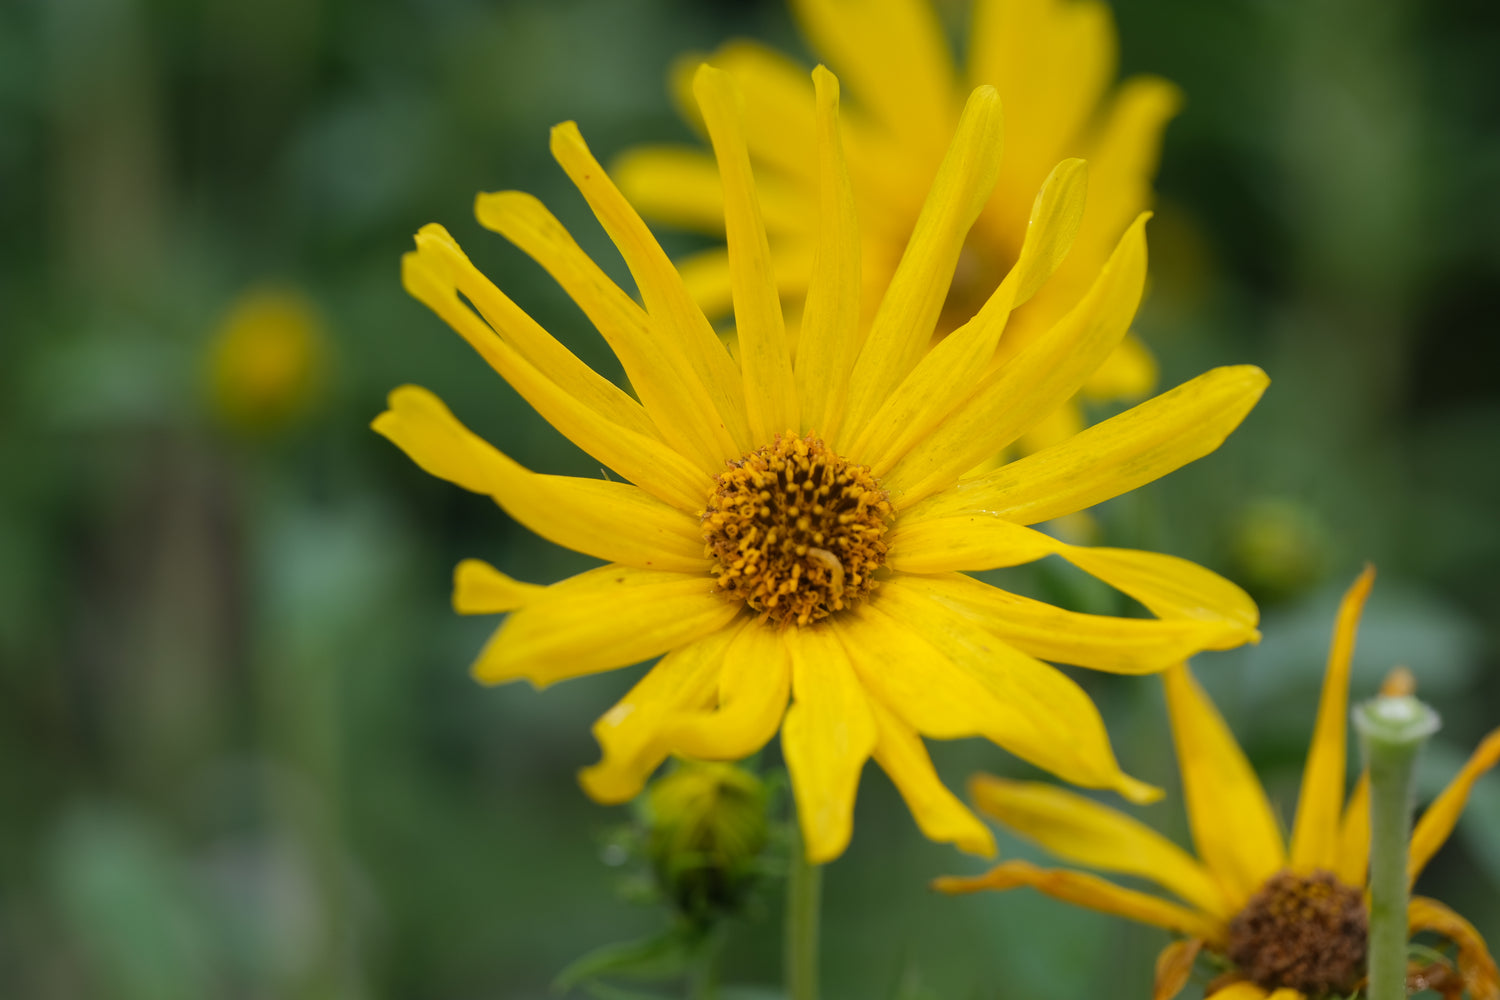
{"x":1053,"y":64}
{"x":793,"y":527}
{"x":1291,"y":921}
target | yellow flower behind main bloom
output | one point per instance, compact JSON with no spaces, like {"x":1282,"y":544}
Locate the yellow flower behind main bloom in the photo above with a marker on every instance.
{"x":793,"y":527}
{"x":1291,"y":920}
{"x":1053,"y":65}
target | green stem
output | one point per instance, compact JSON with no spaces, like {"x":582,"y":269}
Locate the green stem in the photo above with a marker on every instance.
{"x":703,"y":980}
{"x":804,"y":890}
{"x":1392,"y":731}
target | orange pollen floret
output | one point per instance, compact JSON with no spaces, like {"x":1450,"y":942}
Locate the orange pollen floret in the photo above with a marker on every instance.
{"x":795,"y":531}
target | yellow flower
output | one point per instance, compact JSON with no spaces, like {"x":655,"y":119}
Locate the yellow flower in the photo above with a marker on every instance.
{"x":1292,"y":921}
{"x":796,"y":524}
{"x":1053,"y":65}
{"x":266,"y":363}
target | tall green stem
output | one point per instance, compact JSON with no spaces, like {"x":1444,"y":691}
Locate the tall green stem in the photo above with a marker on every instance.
{"x":804,"y":891}
{"x":1392,"y":731}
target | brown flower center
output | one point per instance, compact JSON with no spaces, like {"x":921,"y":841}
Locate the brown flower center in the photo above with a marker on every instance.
{"x":1304,"y":932}
{"x":795,"y":531}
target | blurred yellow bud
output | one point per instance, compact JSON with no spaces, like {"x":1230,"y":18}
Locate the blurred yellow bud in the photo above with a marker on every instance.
{"x":266,"y":363}
{"x":1280,"y":547}
{"x":708,"y":826}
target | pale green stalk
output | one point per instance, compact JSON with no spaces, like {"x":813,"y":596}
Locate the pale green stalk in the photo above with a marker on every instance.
{"x":804,"y":890}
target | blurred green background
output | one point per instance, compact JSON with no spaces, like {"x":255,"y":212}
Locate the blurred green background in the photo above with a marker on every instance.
{"x":240,"y":754}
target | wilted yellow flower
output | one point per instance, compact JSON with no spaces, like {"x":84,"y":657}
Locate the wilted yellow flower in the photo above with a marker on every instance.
{"x":1293,"y":922}
{"x":1053,"y":64}
{"x":797,"y":523}
{"x":267,"y":361}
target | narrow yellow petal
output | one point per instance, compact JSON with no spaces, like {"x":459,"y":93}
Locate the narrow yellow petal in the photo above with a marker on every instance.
{"x":1475,"y":964}
{"x":938,"y":812}
{"x":1082,"y":831}
{"x":1090,"y":892}
{"x":644,"y":460}
{"x":903,"y":324}
{"x":754,"y":684}
{"x":608,"y":617}
{"x":1033,"y":383}
{"x":1316,"y":830}
{"x":1049,"y":721}
{"x":1438,"y":821}
{"x":630,"y":733}
{"x":765,"y":358}
{"x":826,"y":738}
{"x":1113,"y":457}
{"x":1231,"y":819}
{"x":662,"y":375}
{"x":963,"y":542}
{"x":481,"y":589}
{"x":1118,"y":645}
{"x":1174,"y":967}
{"x":1242,"y":990}
{"x":830,"y":318}
{"x":777,"y":103}
{"x":949,"y":371}
{"x":612,"y":521}
{"x":1353,"y":861}
{"x":662,"y":289}
{"x":675,"y":185}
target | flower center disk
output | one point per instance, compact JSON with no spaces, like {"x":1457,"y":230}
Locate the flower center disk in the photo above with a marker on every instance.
{"x":795,"y":531}
{"x":1304,"y":932}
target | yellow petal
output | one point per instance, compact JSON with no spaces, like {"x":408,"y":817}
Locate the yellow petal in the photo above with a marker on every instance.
{"x":630,"y":733}
{"x":1113,"y":457}
{"x":1118,"y":645}
{"x":1353,"y":861}
{"x":1049,"y":721}
{"x":481,"y":589}
{"x":1034,"y":382}
{"x":1242,"y":990}
{"x":830,"y":318}
{"x":828,"y":735}
{"x":765,"y":359}
{"x":605,"y":618}
{"x":1475,"y":964}
{"x":1174,"y":966}
{"x":963,"y":542}
{"x":661,"y":374}
{"x":1316,"y":830}
{"x":642,"y":459}
{"x":778,"y":109}
{"x":950,"y":370}
{"x":893,"y":56}
{"x":1438,"y":821}
{"x":939,"y":813}
{"x":754,"y":684}
{"x":903,"y":324}
{"x":613,"y":521}
{"x":1128,"y":373}
{"x":667,"y":300}
{"x":675,"y":185}
{"x":1232,"y":822}
{"x":1082,"y":831}
{"x":1091,"y":892}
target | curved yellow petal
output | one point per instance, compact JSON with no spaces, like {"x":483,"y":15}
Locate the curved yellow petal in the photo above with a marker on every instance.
{"x":1316,"y":830}
{"x":1090,"y":892}
{"x":605,"y":618}
{"x":1118,"y":645}
{"x":830,"y":317}
{"x":963,"y":542}
{"x":903,"y":325}
{"x":754,"y":684}
{"x":1475,"y":964}
{"x":765,"y":358}
{"x":630,"y":734}
{"x":675,"y":185}
{"x":1242,"y":990}
{"x":666,"y":297}
{"x":1033,"y":383}
{"x":777,"y":104}
{"x":481,"y":589}
{"x":1113,"y":457}
{"x":1082,"y":831}
{"x":613,"y":521}
{"x":826,"y":738}
{"x":1172,"y":587}
{"x":1049,"y":721}
{"x":1233,"y":826}
{"x":939,"y":813}
{"x":1352,"y":863}
{"x":1438,"y":820}
{"x":1174,"y":967}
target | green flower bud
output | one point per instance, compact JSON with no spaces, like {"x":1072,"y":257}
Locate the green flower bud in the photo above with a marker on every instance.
{"x":707,"y":828}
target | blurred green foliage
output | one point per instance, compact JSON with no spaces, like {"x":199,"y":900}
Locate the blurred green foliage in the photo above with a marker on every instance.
{"x":239,"y":752}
